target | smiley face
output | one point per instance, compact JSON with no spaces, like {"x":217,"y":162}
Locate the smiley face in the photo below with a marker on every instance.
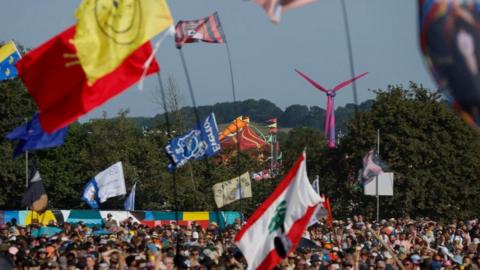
{"x":119,"y":20}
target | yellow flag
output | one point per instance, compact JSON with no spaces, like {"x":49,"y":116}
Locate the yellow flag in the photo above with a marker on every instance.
{"x":108,"y":31}
{"x":232,"y":190}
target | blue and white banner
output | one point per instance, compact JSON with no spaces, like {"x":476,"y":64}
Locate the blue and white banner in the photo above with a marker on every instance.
{"x":90,"y":194}
{"x":195,"y":144}
{"x":129,"y":203}
{"x":111,"y":182}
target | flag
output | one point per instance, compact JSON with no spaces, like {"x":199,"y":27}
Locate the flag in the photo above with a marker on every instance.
{"x":109,"y":31}
{"x":372,"y":166}
{"x":275,"y":8}
{"x":200,"y":142}
{"x":110,"y":182}
{"x":35,"y":197}
{"x":272,"y":126}
{"x":207,"y":29}
{"x":316,"y":184}
{"x":54,"y":65}
{"x":90,"y":194}
{"x":232,"y":190}
{"x":31,"y":136}
{"x":236,"y":125}
{"x":130,"y":200}
{"x":262,"y":175}
{"x":9,"y":56}
{"x":286,"y":212}
{"x":328,"y":207}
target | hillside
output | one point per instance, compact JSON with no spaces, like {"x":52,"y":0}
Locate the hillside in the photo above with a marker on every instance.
{"x":259,"y":111}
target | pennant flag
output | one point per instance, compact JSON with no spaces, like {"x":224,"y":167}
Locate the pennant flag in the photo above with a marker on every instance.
{"x":90,"y":194}
{"x":109,"y":31}
{"x":286,"y":213}
{"x":272,"y":125}
{"x":372,"y":166}
{"x":275,"y":8}
{"x":9,"y":55}
{"x":54,"y":65}
{"x":232,"y":190}
{"x":195,"y":144}
{"x":130,"y":200}
{"x":329,"y":131}
{"x":35,"y":197}
{"x":31,"y":136}
{"x":207,"y":29}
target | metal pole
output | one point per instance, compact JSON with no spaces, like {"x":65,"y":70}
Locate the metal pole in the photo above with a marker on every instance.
{"x":376,"y":180}
{"x":236,"y":122}
{"x":26,"y":169}
{"x":350,"y":52}
{"x":167,"y":121}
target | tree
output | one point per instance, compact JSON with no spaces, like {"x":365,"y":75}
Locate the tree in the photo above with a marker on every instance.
{"x":435,"y":157}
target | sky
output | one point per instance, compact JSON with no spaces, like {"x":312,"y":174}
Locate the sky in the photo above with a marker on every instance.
{"x":264,"y":55}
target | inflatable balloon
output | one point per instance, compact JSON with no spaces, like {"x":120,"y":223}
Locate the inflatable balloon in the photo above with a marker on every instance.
{"x":450,"y":41}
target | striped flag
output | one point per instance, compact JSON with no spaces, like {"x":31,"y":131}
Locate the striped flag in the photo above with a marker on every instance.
{"x":275,"y":8}
{"x":285,"y":214}
{"x":130,"y":200}
{"x":372,"y":166}
{"x":207,"y":29}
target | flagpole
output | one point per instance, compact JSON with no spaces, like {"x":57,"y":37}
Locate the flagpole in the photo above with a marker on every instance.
{"x":236,"y":122}
{"x":167,"y":121}
{"x":26,"y":169}
{"x":26,"y":172}
{"x":350,"y":53}
{"x":376,"y":181}
{"x":190,"y":88}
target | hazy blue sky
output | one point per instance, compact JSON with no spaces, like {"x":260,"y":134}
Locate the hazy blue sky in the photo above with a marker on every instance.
{"x":384,"y":35}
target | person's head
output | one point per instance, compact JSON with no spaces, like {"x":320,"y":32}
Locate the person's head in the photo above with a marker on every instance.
{"x":381,"y":265}
{"x":90,"y":261}
{"x":168,"y":262}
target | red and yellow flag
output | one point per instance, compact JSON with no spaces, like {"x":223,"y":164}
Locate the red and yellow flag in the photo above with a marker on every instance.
{"x":109,"y":31}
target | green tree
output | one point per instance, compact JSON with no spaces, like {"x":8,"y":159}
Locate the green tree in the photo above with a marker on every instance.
{"x":435,"y":157}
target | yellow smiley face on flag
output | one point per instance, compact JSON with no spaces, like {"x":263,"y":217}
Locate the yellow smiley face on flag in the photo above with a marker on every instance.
{"x":108,"y":31}
{"x":119,"y":20}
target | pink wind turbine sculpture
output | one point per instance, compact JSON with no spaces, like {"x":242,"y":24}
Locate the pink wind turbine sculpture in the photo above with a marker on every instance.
{"x":330,"y":116}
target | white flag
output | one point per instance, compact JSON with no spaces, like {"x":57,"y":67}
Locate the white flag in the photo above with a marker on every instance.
{"x":111,"y":182}
{"x":232,"y":190}
{"x":287,"y":212}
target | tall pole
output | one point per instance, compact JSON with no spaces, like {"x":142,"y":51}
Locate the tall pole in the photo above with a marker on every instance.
{"x":350,"y":52}
{"x":26,"y":169}
{"x":167,"y":121}
{"x":376,"y":180}
{"x":236,"y":122}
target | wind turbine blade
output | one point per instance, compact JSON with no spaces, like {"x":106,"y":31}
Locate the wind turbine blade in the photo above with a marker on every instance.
{"x":314,"y":83}
{"x":345,"y":83}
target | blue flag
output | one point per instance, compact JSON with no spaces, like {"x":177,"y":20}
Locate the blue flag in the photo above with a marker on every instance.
{"x":90,"y":194}
{"x":195,"y":144}
{"x":129,"y":203}
{"x":31,"y":136}
{"x":9,"y":56}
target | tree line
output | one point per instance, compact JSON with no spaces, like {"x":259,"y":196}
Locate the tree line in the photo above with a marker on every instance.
{"x":435,"y":156}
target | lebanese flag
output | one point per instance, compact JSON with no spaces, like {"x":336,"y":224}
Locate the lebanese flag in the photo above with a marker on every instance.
{"x":58,"y":84}
{"x":295,"y":198}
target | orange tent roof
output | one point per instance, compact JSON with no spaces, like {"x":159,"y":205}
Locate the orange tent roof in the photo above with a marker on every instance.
{"x":248,"y":140}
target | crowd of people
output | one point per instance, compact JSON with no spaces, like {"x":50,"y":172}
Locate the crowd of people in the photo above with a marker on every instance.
{"x":344,"y":244}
